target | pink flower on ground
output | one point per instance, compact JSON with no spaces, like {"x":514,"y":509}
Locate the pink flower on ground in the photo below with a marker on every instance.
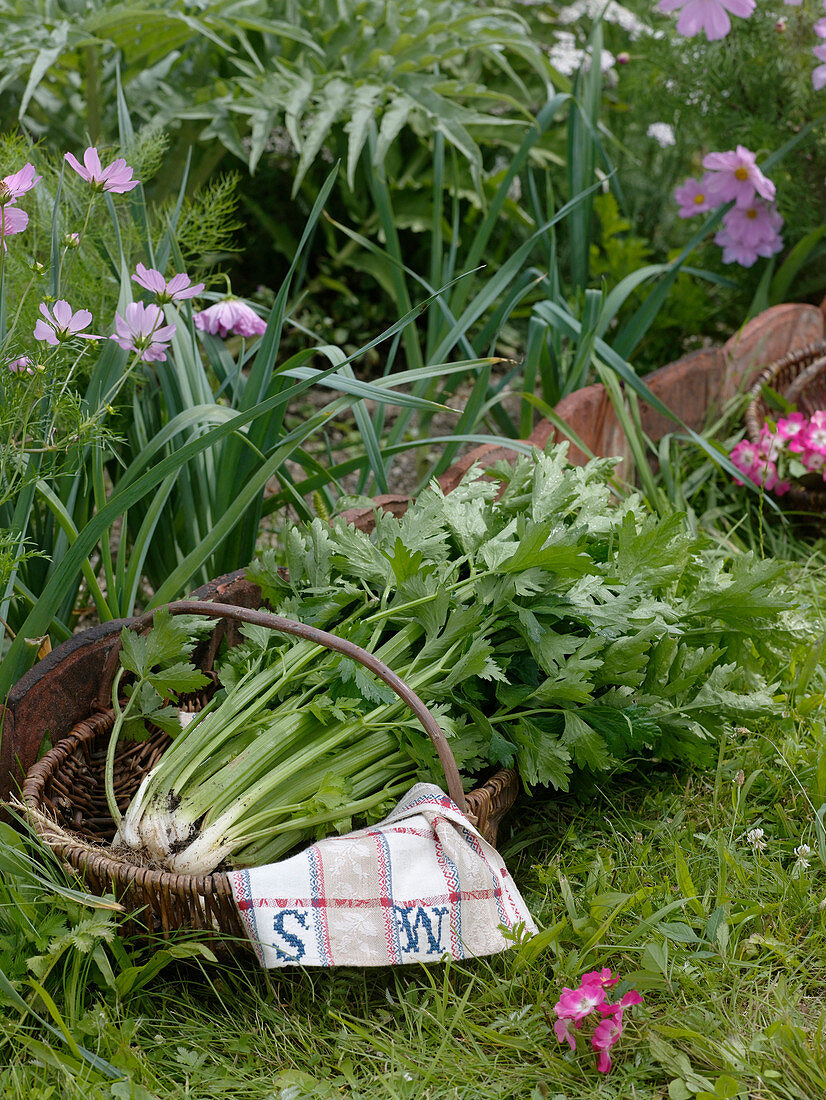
{"x":115,"y":177}
{"x":61,"y":323}
{"x":606,"y":1035}
{"x":735,"y":175}
{"x":632,"y":997}
{"x":141,"y":331}
{"x":12,"y":187}
{"x":820,"y":28}
{"x":604,"y":977}
{"x":12,"y":221}
{"x":693,"y":198}
{"x":175,"y":290}
{"x":710,"y":16}
{"x":563,"y":1031}
{"x":819,"y":77}
{"x":19,"y":365}
{"x":230,"y":315}
{"x":576,"y":1004}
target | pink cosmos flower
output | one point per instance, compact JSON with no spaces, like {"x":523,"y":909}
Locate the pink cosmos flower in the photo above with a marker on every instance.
{"x":693,"y":198}
{"x":753,"y":225}
{"x":710,"y":16}
{"x":820,"y":28}
{"x":175,"y":290}
{"x":12,"y":187}
{"x":116,"y":177}
{"x":748,"y":233}
{"x":735,"y":175}
{"x":22,"y":364}
{"x":61,"y":323}
{"x":230,"y":315}
{"x":734,"y":251}
{"x":819,"y":77}
{"x":141,"y":331}
{"x":12,"y":221}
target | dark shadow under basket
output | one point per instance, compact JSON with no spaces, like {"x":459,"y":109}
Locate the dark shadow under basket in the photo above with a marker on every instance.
{"x":64,"y":795}
{"x":800,"y":377}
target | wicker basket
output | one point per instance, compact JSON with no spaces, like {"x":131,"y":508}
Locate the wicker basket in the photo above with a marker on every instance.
{"x":800,"y":377}
{"x":64,"y":794}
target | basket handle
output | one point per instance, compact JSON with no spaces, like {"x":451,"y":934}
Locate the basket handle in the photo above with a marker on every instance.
{"x":329,"y":641}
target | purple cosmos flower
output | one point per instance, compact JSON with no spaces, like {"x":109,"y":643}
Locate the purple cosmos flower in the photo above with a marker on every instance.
{"x":141,"y":331}
{"x":12,"y":221}
{"x":693,"y":198}
{"x":62,"y":324}
{"x":116,"y":177}
{"x":710,"y":16}
{"x":230,"y":315}
{"x":735,"y":175}
{"x":820,"y":28}
{"x":175,"y":290}
{"x":12,"y":187}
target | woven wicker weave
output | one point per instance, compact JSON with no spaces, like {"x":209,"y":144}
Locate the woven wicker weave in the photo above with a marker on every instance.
{"x":800,"y":377}
{"x":64,"y":793}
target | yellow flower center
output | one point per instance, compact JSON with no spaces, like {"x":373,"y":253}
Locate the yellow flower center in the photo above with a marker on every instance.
{"x":741,"y":173}
{"x":698,"y":198}
{"x":751,"y":213}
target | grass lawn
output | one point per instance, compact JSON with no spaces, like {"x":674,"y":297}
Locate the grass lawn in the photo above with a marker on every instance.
{"x":653,"y":876}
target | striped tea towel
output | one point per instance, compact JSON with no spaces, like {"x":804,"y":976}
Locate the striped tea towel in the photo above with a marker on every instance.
{"x":418,"y":886}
